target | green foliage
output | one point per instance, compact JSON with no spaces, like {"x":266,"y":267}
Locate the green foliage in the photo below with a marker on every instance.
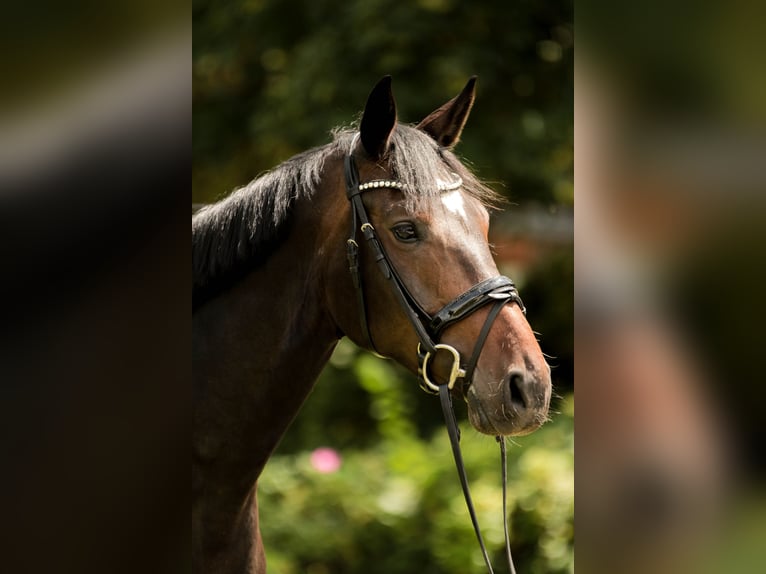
{"x":360,"y":400}
{"x":395,"y":505}
{"x":271,"y":78}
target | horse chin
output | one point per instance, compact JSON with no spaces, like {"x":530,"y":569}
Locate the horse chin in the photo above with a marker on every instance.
{"x":506,"y":421}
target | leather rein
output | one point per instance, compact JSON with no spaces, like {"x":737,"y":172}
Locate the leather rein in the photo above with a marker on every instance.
{"x":497,"y":291}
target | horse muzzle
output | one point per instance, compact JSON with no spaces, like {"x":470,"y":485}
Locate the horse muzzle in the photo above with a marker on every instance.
{"x":515,"y":405}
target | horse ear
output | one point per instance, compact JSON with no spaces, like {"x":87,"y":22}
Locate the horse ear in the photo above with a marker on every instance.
{"x":446,"y":124}
{"x":379,"y":119}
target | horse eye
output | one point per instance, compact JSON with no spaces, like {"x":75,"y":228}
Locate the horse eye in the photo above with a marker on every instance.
{"x":405,"y":232}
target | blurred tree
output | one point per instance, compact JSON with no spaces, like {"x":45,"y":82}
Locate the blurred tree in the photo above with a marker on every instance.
{"x":272,"y":78}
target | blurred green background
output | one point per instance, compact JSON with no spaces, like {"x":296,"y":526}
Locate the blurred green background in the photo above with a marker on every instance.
{"x":395,"y":503}
{"x":271,"y":79}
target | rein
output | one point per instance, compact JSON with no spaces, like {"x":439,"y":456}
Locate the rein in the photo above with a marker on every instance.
{"x":496,"y":291}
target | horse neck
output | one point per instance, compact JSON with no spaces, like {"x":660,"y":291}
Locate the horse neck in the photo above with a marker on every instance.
{"x":257,"y":350}
{"x":259,"y":347}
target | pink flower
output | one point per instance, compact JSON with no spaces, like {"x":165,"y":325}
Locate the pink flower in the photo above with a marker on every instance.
{"x":325,"y":460}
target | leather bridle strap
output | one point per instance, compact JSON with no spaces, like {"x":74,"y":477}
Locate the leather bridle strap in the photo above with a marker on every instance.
{"x":497,"y":291}
{"x":470,"y":366}
{"x":465,"y":374}
{"x":445,"y":398}
{"x":352,"y":248}
{"x":506,"y":533}
{"x":493,"y":289}
{"x":359,"y":217}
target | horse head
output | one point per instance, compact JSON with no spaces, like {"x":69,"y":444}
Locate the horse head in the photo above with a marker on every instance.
{"x":427,"y":292}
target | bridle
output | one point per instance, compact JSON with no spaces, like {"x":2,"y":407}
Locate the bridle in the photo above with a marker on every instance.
{"x":496,"y":291}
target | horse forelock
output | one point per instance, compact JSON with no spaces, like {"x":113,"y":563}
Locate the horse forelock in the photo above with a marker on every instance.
{"x":238,"y":233}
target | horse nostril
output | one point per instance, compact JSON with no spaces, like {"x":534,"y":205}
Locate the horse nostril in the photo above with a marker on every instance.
{"x":515,"y":381}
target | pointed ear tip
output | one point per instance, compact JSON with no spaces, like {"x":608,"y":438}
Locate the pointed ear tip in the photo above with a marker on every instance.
{"x":383,"y":86}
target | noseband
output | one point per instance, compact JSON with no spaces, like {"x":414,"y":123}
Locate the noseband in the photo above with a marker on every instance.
{"x":496,"y":291}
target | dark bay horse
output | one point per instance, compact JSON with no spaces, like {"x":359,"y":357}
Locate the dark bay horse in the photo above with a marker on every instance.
{"x":273,"y":294}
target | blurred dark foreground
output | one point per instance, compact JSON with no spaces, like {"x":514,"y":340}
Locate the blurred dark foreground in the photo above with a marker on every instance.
{"x":670,"y":122}
{"x":95,"y":143}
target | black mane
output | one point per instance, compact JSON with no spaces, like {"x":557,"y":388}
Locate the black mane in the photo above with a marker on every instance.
{"x":235,"y":235}
{"x":238,"y":233}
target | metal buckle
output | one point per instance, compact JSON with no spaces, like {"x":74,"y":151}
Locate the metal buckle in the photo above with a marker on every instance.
{"x":455,"y":373}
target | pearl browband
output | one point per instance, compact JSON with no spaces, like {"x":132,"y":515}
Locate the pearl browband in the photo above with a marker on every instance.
{"x":392,"y":184}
